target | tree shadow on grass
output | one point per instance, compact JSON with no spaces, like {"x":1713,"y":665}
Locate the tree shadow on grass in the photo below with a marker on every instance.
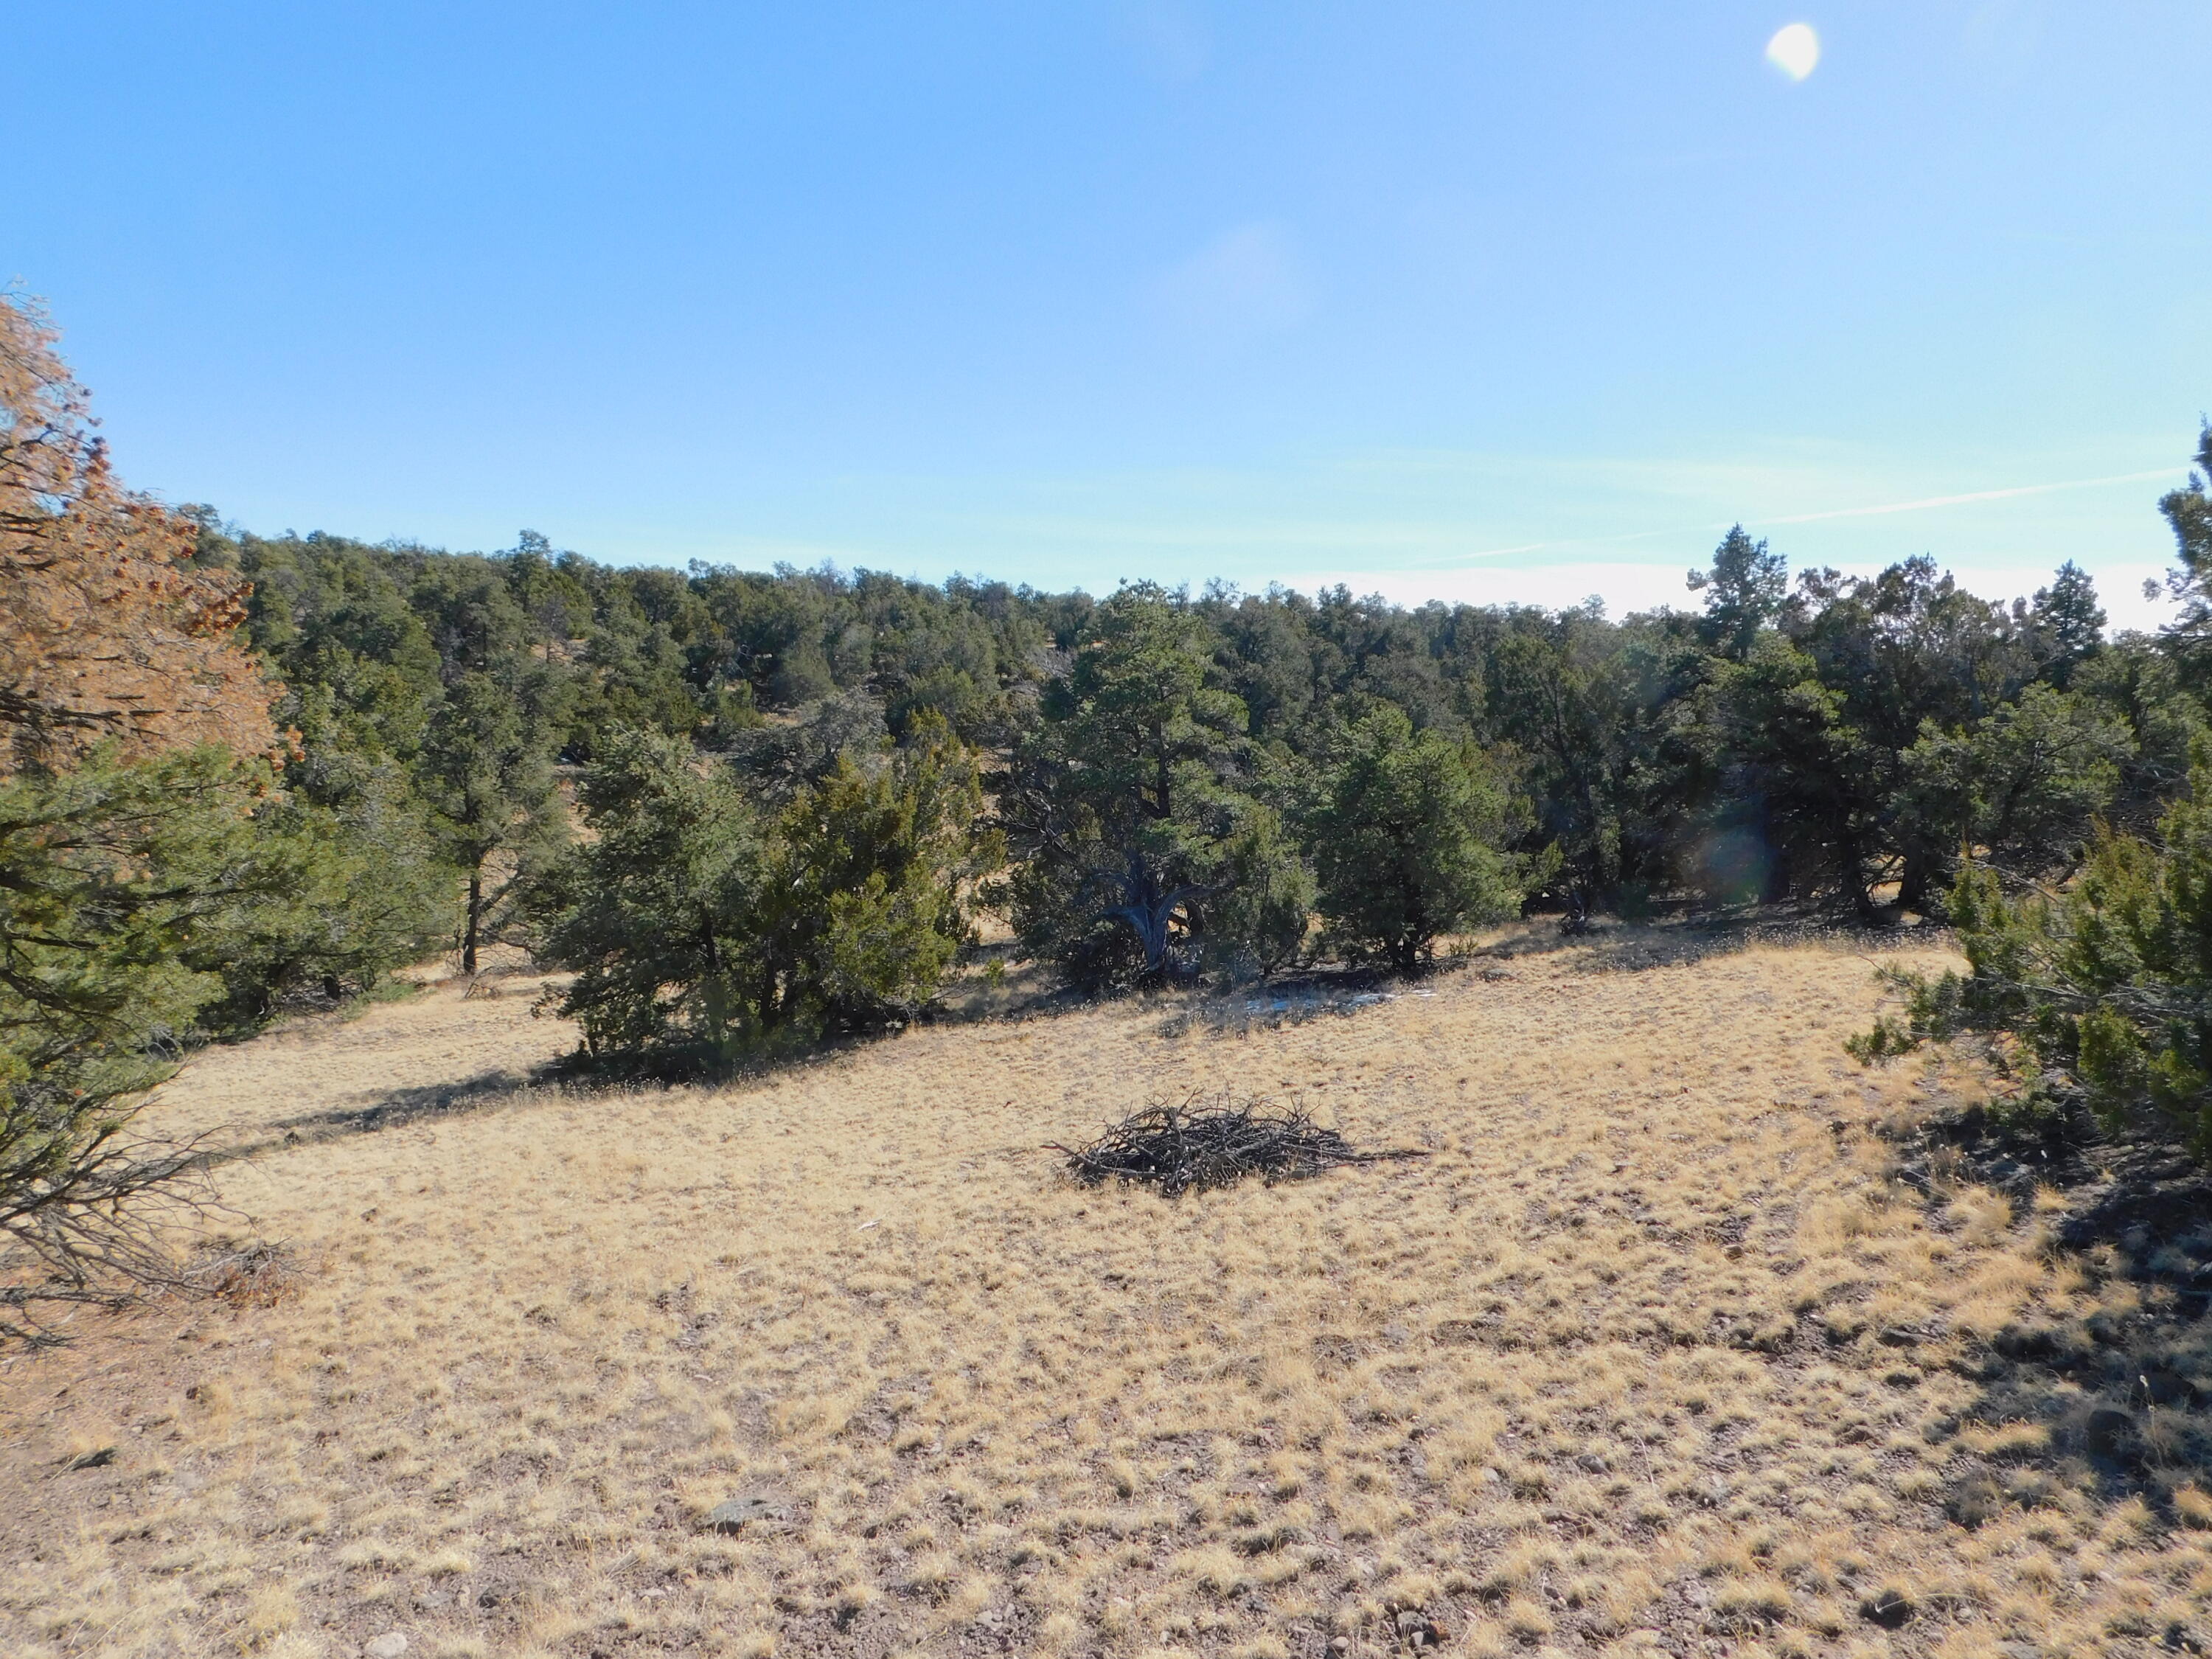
{"x":1294,"y":1000}
{"x":392,"y":1110}
{"x":2115,"y":1396}
{"x":1610,"y":945}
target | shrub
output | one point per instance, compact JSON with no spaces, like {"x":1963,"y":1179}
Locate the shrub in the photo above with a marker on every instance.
{"x":701,"y":931}
{"x":2099,"y":994}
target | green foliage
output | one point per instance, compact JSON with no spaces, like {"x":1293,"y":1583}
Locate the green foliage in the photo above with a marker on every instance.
{"x":1403,"y":838}
{"x":1129,"y":809}
{"x":780,"y":760}
{"x":2100,"y":993}
{"x":345,"y":895}
{"x":1835,"y":740}
{"x":139,"y":902}
{"x":1594,"y":713}
{"x":657,"y":913}
{"x":2065,"y":624}
{"x":869,"y":884}
{"x":2022,"y":790}
{"x":1744,"y":591}
{"x":1265,"y":893}
{"x":486,"y":774}
{"x":2189,"y":513}
{"x":1803,"y":790}
{"x":111,"y":876}
{"x":701,"y":932}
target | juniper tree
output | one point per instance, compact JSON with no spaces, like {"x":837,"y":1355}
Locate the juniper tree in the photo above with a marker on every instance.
{"x":1404,"y":840}
{"x":701,"y":929}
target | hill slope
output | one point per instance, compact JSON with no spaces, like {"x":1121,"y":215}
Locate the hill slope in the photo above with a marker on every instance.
{"x":1652,"y":1349}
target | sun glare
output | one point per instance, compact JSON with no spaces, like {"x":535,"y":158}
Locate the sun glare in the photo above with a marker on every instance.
{"x":1795,"y":50}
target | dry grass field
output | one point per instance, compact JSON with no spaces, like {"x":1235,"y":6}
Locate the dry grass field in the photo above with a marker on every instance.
{"x":1657,"y":1349}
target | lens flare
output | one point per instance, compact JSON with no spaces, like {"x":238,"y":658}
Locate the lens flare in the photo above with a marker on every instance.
{"x":1795,"y":50}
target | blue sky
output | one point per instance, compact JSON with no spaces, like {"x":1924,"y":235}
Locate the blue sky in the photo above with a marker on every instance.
{"x":1495,"y":301}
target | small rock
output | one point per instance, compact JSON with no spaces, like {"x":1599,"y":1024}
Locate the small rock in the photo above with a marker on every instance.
{"x":734,"y":1515}
{"x":2109,"y":1433}
{"x":1892,"y":1610}
{"x":2164,"y":1387}
{"x":1340,"y":1644}
{"x":389,"y":1645}
{"x":2029,"y":1342}
{"x":1899,"y":1336}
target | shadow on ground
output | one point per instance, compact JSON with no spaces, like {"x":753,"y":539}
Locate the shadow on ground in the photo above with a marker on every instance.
{"x":1610,"y":946}
{"x":392,"y":1109}
{"x":2115,"y":1398}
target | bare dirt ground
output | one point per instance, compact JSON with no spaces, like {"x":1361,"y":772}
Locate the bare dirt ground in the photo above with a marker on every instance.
{"x":1667,"y":1345}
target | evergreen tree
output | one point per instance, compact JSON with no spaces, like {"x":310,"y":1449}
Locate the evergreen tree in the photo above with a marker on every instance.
{"x":1744,"y":591}
{"x":872,"y":874}
{"x":488,"y":773}
{"x":2189,"y":513}
{"x":2022,"y":790}
{"x":1404,"y":839}
{"x":129,"y":890}
{"x":701,"y":931}
{"x":1121,"y":804}
{"x":658,"y":915}
{"x":2066,"y":624}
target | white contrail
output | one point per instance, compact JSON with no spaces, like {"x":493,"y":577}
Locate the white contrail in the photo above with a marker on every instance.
{"x":1975,"y":496}
{"x":1761,"y":521}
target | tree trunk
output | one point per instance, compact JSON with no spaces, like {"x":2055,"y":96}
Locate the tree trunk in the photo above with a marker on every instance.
{"x":1853,"y":871}
{"x":476,"y":919}
{"x":1918,"y":878}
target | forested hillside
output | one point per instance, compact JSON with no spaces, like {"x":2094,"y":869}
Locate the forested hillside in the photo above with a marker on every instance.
{"x":1833,"y":737}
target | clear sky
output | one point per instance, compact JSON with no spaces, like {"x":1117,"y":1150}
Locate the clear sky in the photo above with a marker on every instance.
{"x":1492,"y":301}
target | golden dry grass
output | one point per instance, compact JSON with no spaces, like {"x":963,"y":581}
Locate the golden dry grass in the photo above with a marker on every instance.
{"x":1651,"y":1351}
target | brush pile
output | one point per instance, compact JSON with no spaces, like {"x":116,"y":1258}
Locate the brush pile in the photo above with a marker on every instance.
{"x":1197,"y":1143}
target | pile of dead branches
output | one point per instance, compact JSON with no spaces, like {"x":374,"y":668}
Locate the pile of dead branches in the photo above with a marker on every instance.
{"x":1201,"y":1142}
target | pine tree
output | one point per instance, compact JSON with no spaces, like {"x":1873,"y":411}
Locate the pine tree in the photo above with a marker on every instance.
{"x":701,"y":931}
{"x":1744,"y":591}
{"x":1128,"y":811}
{"x":487,"y":771}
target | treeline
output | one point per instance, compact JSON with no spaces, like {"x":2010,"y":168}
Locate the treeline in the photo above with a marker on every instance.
{"x":1220,"y":781}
